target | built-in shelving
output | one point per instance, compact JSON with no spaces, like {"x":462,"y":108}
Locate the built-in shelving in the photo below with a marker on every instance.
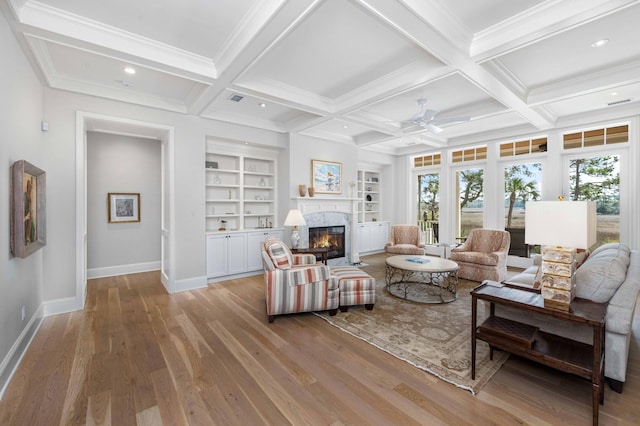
{"x":240,"y":187}
{"x":369,"y":195}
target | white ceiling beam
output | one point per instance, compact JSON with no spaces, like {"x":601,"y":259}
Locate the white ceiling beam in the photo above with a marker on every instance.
{"x":284,"y":20}
{"x":595,"y":82}
{"x":429,"y":33}
{"x":539,"y":22}
{"x":62,"y":23}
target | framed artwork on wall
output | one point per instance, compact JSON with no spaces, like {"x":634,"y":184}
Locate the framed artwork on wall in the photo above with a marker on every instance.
{"x":326,"y":177}
{"x":123,"y":207}
{"x":28,"y":209}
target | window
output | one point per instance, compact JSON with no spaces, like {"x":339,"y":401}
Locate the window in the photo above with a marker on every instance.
{"x":470,"y":200}
{"x":521,"y":183}
{"x":429,"y":206}
{"x":529,"y":146}
{"x":598,"y":179}
{"x":470,"y":154}
{"x":427,"y":160}
{"x":597,"y":137}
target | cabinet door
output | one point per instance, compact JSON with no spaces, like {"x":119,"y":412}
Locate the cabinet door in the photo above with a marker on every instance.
{"x":379,"y":235}
{"x":236,"y":253}
{"x":364,"y":238}
{"x":254,"y":257}
{"x":216,"y":255}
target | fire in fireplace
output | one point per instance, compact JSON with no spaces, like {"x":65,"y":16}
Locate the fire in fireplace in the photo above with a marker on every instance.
{"x":328,"y":236}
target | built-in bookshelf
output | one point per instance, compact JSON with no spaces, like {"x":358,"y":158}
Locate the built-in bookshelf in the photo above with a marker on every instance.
{"x":369,"y":195}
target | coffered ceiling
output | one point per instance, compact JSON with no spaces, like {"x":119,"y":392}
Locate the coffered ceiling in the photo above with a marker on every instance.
{"x":346,"y":70}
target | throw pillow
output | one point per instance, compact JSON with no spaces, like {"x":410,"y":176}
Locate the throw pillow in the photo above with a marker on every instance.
{"x":279,"y":253}
{"x":600,"y":276}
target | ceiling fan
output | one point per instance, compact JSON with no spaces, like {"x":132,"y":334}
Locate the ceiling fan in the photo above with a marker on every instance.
{"x":427,"y":118}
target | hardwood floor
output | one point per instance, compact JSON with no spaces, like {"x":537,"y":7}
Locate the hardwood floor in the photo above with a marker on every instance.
{"x":136,"y":355}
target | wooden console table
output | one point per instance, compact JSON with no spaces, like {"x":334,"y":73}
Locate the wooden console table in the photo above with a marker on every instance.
{"x":323,"y":252}
{"x":584,"y":360}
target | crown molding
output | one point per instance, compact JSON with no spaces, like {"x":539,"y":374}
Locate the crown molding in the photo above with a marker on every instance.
{"x":57,"y":21}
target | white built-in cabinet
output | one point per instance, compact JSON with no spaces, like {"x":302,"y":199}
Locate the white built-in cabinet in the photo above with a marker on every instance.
{"x":254,"y":256}
{"x":240,"y":205}
{"x":226,"y":254}
{"x":369,"y":196}
{"x":372,"y":236}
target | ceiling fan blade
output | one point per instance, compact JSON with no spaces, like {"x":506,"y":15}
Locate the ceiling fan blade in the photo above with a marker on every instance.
{"x":433,"y":128}
{"x":447,"y":120}
{"x":426,"y":115}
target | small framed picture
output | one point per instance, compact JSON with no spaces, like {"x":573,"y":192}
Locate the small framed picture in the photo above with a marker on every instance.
{"x":123,"y":207}
{"x":211,"y":164}
{"x":326,"y":177}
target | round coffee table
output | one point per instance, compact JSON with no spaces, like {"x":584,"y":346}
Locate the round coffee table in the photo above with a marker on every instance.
{"x":423,"y":279}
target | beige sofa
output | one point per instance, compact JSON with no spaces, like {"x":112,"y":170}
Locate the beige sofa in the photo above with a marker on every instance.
{"x":611,"y":273}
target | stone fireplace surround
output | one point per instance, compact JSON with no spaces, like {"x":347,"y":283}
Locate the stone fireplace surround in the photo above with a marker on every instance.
{"x":331,"y":211}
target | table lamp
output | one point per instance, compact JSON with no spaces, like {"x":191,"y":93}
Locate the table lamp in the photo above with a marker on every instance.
{"x":295,"y":219}
{"x":560,"y":227}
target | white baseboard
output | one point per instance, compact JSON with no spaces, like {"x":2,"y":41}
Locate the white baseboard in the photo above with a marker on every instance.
{"x":62,"y":306}
{"x":14,"y":356}
{"x":236,"y":276}
{"x":134,"y":268}
{"x":188,"y":284}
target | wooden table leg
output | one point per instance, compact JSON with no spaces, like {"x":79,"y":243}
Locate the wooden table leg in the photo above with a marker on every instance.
{"x":473,"y":337}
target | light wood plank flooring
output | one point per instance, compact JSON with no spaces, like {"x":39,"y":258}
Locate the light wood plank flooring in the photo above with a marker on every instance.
{"x":136,"y":355}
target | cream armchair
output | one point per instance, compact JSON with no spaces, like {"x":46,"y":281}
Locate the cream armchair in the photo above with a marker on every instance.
{"x":295,"y":282}
{"x":483,"y":256}
{"x":405,"y":239}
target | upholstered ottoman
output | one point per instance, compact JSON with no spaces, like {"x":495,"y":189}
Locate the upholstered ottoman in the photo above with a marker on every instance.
{"x":355,"y":287}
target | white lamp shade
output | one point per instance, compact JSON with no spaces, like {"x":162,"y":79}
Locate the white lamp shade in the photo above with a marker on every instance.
{"x":561,"y":223}
{"x":294,"y":218}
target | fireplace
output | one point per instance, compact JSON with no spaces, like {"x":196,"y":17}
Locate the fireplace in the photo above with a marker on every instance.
{"x":328,"y":236}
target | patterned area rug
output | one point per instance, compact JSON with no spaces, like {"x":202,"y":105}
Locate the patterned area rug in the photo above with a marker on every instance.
{"x":433,"y":337}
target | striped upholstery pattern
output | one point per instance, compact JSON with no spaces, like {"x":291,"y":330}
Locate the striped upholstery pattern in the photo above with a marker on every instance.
{"x":356,"y":287}
{"x":283,"y":298}
{"x":304,"y":259}
{"x":302,"y":288}
{"x":279,"y":252}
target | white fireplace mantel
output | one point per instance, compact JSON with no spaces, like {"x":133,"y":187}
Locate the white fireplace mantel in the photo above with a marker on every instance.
{"x":309,"y":205}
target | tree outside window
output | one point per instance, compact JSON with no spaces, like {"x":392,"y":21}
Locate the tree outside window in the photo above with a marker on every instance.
{"x":429,"y":205}
{"x":598,"y":179}
{"x":470,"y":200}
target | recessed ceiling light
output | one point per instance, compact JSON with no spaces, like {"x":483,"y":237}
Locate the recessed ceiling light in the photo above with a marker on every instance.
{"x":262,"y":105}
{"x":345,"y":127}
{"x":614,"y":93}
{"x":600,"y":43}
{"x":130,"y":70}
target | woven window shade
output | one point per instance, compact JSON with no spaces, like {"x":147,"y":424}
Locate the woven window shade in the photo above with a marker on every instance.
{"x":535,"y":144}
{"x":594,"y":137}
{"x":573,"y":140}
{"x":506,"y":149}
{"x":617,"y":134}
{"x":523,"y":147}
{"x":456,"y":157}
{"x":481,"y":153}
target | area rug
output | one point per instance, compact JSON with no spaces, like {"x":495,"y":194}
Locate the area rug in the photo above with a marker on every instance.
{"x":433,"y":337}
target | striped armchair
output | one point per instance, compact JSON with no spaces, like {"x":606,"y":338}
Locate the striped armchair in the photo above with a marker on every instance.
{"x":295,"y":282}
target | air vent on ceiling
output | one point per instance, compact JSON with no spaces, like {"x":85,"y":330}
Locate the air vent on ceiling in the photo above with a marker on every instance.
{"x":618,"y":102}
{"x":235,"y":98}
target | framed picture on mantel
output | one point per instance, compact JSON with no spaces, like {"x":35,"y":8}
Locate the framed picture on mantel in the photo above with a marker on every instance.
{"x":326,"y":177}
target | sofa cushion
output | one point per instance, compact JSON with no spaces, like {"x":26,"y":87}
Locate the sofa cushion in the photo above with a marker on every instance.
{"x":476,"y":257}
{"x":602,"y":273}
{"x":279,"y":253}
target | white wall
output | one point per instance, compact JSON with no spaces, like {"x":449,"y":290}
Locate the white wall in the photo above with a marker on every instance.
{"x":118,"y":163}
{"x":190,"y":135}
{"x":20,"y":139}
